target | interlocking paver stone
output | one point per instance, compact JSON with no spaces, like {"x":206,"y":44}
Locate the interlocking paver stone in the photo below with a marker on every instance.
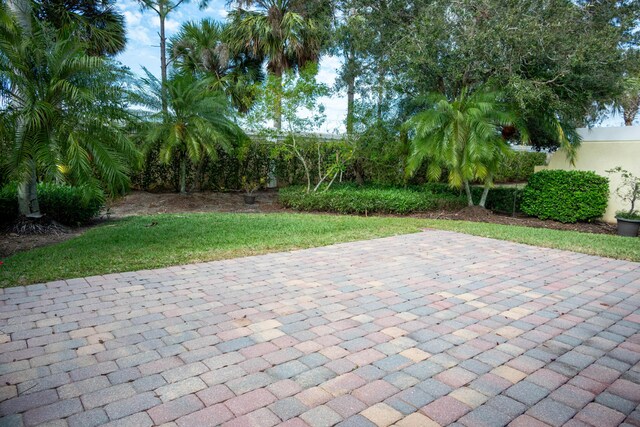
{"x":413,"y":330}
{"x":551,"y":412}
{"x":527,"y":392}
{"x":287,"y":408}
{"x":445,"y":410}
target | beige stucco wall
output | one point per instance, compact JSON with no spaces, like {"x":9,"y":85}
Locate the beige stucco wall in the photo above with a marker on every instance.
{"x":603,"y":149}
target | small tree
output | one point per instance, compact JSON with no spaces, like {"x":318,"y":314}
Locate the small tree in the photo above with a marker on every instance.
{"x":300,"y":115}
{"x":198,"y":121}
{"x":628,"y":191}
{"x":64,"y":118}
{"x":462,"y":136}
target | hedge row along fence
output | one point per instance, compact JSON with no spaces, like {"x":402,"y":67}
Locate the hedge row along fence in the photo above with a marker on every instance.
{"x":225,"y":171}
{"x":352,"y":199}
{"x":67,"y":205}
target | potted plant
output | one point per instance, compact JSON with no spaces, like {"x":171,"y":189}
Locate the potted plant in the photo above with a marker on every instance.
{"x":629,"y":191}
{"x":249,"y":186}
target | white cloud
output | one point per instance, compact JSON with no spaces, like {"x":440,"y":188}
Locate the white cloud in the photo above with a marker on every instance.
{"x":172,"y":25}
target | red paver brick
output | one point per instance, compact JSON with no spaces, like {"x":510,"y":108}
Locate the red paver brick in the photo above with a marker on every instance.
{"x":455,"y":377}
{"x":216,"y":394}
{"x":211,"y":416}
{"x":375,"y":392}
{"x":445,"y":410}
{"x":626,"y":389}
{"x":599,"y":415}
{"x":251,"y":401}
{"x":343,"y":384}
{"x":175,"y":409}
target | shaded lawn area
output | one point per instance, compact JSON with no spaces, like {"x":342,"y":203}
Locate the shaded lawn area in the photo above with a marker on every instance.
{"x":146,"y":242}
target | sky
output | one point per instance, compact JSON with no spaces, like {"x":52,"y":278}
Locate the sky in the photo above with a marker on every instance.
{"x":143,"y":50}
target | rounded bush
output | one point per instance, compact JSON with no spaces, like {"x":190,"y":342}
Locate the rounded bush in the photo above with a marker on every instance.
{"x":566,"y":196}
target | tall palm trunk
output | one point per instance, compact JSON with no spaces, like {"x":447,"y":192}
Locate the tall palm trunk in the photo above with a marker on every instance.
{"x":350,"y":79}
{"x":485,"y":193}
{"x":277,"y":116}
{"x":27,"y":190}
{"x":163,"y":56}
{"x":380,"y":90}
{"x":467,"y":189}
{"x":27,"y":195}
{"x":277,"y":124}
{"x":351,"y":89}
{"x":183,"y":173}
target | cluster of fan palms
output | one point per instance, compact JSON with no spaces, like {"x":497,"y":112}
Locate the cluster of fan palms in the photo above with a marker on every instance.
{"x":70,"y":114}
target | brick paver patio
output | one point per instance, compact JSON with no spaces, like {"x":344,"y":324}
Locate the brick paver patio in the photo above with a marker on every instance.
{"x":418,"y":330}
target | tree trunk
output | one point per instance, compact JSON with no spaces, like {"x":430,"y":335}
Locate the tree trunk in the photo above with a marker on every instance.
{"x":27,"y":195}
{"x":380,"y":93}
{"x":483,"y":199}
{"x":467,"y":189}
{"x":163,"y":57}
{"x":277,"y":124}
{"x":359,"y":172}
{"x":183,"y":174}
{"x":631,"y":112}
{"x":351,"y":92}
{"x":277,"y":114}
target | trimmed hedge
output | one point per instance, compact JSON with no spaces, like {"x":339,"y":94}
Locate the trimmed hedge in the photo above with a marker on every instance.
{"x":566,"y":196}
{"x":62,"y":203}
{"x":8,"y":203}
{"x":349,"y":199}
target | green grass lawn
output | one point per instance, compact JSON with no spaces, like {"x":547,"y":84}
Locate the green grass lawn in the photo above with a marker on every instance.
{"x":132,"y":244}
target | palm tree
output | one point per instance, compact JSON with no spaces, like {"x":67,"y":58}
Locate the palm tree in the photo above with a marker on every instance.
{"x":63,"y":116}
{"x":198,"y":121}
{"x":629,"y":101}
{"x":463,"y":136}
{"x":201,"y":48}
{"x":162,"y":8}
{"x":280,"y":31}
{"x":96,"y":22}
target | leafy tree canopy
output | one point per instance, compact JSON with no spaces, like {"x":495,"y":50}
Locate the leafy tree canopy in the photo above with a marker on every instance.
{"x":557,"y":60}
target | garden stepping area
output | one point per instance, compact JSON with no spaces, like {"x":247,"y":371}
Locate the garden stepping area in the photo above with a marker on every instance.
{"x":433,"y":328}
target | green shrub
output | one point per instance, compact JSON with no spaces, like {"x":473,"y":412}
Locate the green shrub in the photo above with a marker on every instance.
{"x":518,"y":166}
{"x":8,"y":203}
{"x":499,"y":199}
{"x":62,"y":203}
{"x":349,"y":199}
{"x":566,"y":196}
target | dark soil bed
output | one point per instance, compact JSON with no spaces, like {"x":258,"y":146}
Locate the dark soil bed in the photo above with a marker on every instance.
{"x":478,"y":214}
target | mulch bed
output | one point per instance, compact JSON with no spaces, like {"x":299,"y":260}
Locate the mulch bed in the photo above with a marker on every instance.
{"x":478,"y":214}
